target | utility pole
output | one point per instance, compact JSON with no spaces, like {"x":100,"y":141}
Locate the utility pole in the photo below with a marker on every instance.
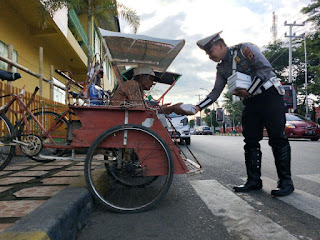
{"x":199,"y":95}
{"x":211,"y":108}
{"x":306,"y":76}
{"x":290,"y":36}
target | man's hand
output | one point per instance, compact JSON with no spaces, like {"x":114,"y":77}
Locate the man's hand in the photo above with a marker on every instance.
{"x":175,"y":108}
{"x":241,"y":93}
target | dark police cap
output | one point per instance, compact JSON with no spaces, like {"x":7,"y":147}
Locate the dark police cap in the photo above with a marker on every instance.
{"x":206,"y":43}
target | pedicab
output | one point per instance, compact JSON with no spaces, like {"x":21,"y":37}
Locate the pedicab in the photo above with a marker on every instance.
{"x":131,"y":158}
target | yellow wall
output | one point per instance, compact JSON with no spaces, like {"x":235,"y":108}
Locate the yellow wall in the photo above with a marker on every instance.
{"x":14,"y":30}
{"x":61,"y":52}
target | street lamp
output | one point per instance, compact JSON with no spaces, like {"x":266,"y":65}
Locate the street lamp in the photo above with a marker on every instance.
{"x":210,"y":110}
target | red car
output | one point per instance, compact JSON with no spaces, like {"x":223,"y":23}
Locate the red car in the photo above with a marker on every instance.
{"x":299,"y":127}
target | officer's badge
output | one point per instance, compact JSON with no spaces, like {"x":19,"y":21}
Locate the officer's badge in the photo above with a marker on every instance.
{"x":248,"y":53}
{"x":237,"y":59}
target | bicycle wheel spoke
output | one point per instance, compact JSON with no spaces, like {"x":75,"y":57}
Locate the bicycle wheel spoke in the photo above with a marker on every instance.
{"x":138,"y":165}
{"x":57,"y":130}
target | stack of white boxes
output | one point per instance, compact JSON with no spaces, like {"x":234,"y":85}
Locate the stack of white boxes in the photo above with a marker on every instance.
{"x":238,"y":81}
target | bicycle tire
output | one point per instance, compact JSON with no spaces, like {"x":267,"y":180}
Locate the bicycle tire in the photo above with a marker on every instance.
{"x":117,"y":197}
{"x":117,"y":176}
{"x":7,"y":133}
{"x":59,"y":133}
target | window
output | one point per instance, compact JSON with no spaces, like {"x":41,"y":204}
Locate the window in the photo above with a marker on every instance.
{"x":4,"y":53}
{"x":59,"y":95}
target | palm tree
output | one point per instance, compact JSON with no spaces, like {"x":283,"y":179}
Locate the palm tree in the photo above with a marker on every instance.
{"x":105,"y":11}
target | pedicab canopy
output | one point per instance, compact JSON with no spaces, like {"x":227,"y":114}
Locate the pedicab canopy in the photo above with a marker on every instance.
{"x":139,"y":50}
{"x":162,"y":77}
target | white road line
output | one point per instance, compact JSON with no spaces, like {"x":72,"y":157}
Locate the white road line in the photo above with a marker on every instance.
{"x":311,"y":177}
{"x":240,"y":219}
{"x":299,"y":199}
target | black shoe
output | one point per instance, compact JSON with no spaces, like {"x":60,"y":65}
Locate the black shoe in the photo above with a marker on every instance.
{"x":283,"y":190}
{"x":248,"y":186}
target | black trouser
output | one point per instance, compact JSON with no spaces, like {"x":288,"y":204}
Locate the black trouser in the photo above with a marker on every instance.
{"x":264,"y":110}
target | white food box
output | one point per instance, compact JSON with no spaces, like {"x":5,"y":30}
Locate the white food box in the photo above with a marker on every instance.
{"x":238,"y":80}
{"x":188,"y":108}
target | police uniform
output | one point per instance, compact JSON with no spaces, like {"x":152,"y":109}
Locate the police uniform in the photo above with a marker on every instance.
{"x":264,"y":108}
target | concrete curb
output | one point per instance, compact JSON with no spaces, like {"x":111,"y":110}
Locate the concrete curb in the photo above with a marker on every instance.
{"x":59,"y":218}
{"x":228,"y":134}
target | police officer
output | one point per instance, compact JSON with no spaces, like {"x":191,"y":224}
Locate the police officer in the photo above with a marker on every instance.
{"x":264,"y":107}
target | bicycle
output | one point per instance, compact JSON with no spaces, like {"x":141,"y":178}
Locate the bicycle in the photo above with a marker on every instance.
{"x":32,"y":131}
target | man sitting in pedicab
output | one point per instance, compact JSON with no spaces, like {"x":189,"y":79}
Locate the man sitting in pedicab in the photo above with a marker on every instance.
{"x":131,"y":92}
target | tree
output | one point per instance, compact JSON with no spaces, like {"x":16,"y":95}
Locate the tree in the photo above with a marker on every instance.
{"x":278,"y":54}
{"x":103,"y":10}
{"x":192,"y":123}
{"x":210,"y":115}
{"x":234,"y":109}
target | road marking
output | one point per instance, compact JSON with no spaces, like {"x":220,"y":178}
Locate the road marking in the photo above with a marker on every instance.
{"x":239,"y":217}
{"x":299,"y":199}
{"x":311,"y":177}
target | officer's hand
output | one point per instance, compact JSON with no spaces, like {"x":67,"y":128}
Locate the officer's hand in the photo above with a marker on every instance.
{"x":241,"y":93}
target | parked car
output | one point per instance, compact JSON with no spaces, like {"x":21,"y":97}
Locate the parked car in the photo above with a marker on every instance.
{"x":205,"y":130}
{"x":298,"y":126}
{"x":181,"y":125}
{"x":194,"y":131}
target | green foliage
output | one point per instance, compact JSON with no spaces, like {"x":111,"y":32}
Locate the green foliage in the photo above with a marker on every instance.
{"x":277,"y":54}
{"x":313,"y":11}
{"x":192,"y":123}
{"x":103,"y":10}
{"x":207,"y":118}
{"x":234,"y":110}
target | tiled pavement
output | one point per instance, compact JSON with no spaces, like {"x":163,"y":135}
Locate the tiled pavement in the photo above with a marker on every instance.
{"x":27,"y":184}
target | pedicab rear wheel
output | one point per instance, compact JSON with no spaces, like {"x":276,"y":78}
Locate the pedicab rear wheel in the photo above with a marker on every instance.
{"x":139,"y":168}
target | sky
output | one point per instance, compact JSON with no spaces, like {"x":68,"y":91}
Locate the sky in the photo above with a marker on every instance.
{"x":240,"y":20}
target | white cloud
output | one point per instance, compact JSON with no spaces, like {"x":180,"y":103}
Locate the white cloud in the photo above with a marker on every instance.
{"x":240,"y":20}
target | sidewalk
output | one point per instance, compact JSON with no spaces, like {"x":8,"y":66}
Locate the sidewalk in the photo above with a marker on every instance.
{"x":43,"y":200}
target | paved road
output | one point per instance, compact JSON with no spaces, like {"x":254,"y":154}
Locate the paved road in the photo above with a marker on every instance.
{"x":205,"y":207}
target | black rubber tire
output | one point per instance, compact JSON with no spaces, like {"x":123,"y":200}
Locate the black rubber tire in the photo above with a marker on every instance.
{"x":47,"y":125}
{"x":187,"y":140}
{"x":123,"y":199}
{"x":7,"y":133}
{"x":314,"y":139}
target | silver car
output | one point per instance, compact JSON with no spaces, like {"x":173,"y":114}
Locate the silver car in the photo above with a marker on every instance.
{"x":180,"y":129}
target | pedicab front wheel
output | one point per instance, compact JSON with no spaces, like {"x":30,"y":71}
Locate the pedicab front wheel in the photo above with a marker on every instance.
{"x":129,"y":168}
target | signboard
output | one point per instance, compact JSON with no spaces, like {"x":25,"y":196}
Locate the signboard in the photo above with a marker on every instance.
{"x":220,"y":115}
{"x":289,"y":97}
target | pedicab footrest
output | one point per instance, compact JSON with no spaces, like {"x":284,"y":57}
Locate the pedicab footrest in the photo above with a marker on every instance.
{"x":192,"y":166}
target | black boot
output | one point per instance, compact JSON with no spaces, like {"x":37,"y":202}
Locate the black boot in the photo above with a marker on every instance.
{"x":253,"y":165}
{"x":282,"y":158}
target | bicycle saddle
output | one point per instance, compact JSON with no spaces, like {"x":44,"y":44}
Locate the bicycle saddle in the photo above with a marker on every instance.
{"x":9,"y":76}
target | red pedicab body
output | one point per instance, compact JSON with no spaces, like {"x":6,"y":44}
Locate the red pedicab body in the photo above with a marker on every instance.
{"x":96,"y":120}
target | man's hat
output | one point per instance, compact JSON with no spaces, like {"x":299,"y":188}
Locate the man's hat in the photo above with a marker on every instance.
{"x":143,"y":70}
{"x":206,"y":43}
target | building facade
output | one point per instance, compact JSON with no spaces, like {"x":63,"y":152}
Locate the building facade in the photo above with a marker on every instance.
{"x":59,"y":42}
